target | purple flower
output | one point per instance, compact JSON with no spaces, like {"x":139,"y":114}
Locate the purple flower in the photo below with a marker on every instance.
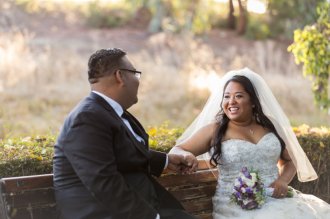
{"x":246,"y":172}
{"x":238,"y":195}
{"x":241,"y":181}
{"x":248,"y":190}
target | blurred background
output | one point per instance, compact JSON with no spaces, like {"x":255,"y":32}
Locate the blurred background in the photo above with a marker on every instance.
{"x":182,"y":47}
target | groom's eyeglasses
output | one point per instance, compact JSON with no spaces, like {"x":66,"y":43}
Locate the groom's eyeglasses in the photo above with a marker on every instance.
{"x":136,"y":73}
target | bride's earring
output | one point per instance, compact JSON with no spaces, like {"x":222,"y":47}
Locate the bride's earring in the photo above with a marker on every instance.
{"x":256,"y":115}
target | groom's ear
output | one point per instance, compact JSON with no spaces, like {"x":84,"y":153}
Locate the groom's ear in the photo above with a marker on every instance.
{"x":119,"y":77}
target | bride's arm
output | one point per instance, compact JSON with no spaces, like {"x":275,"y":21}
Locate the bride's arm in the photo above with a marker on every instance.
{"x":198,"y":143}
{"x":287,"y":171}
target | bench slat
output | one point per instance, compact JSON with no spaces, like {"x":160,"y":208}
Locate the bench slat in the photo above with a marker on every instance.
{"x":194,"y":193}
{"x":36,"y":197}
{"x":2,"y":203}
{"x":35,"y":213}
{"x":16,"y":184}
{"x":207,"y":215}
{"x":198,"y":206}
{"x":202,"y":176}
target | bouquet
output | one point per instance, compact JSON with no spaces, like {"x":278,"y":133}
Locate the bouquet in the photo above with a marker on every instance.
{"x":248,"y":190}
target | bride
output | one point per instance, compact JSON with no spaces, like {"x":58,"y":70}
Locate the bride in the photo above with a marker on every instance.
{"x":251,"y":130}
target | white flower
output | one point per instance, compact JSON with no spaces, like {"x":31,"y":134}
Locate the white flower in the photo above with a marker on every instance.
{"x":249,"y":182}
{"x":246,"y":201}
{"x":237,"y":183}
{"x":254,"y":177}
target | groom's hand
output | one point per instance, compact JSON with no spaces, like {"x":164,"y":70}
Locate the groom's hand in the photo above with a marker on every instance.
{"x":191,"y":164}
{"x":182,"y":163}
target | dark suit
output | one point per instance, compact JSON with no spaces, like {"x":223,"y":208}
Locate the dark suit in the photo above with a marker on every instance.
{"x":102,"y":172}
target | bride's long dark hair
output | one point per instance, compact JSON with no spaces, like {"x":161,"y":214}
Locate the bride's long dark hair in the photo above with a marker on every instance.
{"x":223,"y":120}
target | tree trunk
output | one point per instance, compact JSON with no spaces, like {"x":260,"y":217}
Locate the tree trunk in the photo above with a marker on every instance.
{"x":242,"y":19}
{"x":155,"y":24}
{"x":191,"y":13}
{"x":142,"y":18}
{"x":231,"y":17}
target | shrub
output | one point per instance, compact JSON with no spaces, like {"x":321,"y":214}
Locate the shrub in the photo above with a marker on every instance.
{"x":316,"y":144}
{"x":163,"y":138}
{"x":33,"y":155}
{"x":99,"y":16}
{"x":26,"y":156}
{"x":311,"y":47}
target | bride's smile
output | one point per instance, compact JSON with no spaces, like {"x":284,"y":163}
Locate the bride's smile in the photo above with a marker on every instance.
{"x":236,"y":103}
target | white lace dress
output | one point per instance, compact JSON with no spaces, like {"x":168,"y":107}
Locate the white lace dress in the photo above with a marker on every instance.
{"x":263,"y":157}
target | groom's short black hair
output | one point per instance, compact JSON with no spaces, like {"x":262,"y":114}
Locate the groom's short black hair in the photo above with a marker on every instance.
{"x":103,"y":62}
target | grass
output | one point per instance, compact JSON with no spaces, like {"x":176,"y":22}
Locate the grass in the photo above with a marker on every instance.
{"x":44,"y":75}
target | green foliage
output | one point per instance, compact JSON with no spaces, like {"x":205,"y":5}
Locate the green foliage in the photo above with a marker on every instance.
{"x":95,"y":13}
{"x":176,"y":16}
{"x":312,"y":48}
{"x":48,"y":7}
{"x":288,"y":15}
{"x":102,"y":16}
{"x":257,"y":27}
{"x":26,"y":156}
{"x":163,"y":138}
{"x":316,"y":144}
{"x":34,"y":155}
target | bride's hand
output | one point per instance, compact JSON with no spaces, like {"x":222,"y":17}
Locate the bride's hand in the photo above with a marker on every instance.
{"x":191,"y":164}
{"x":280,"y":188}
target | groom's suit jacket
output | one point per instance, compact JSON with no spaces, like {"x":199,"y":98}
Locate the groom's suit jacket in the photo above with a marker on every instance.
{"x":102,"y":171}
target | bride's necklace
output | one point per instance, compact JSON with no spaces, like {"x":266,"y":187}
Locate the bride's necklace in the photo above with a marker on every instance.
{"x":248,"y":126}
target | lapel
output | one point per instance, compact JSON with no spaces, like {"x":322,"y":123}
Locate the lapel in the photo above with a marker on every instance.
{"x":140,"y":146}
{"x":136,"y":125}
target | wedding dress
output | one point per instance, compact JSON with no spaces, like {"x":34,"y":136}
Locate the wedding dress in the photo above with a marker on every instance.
{"x":263,"y":157}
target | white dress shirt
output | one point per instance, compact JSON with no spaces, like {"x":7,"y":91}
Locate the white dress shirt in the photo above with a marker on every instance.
{"x":119,"y":111}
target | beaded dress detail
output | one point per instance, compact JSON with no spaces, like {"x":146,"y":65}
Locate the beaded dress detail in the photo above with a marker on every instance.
{"x":263,"y":157}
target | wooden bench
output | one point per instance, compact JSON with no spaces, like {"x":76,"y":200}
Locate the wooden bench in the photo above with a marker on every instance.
{"x":32,"y":197}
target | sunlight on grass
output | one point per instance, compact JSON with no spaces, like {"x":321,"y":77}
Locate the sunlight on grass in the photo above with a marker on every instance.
{"x":44,"y":75}
{"x":40,"y":86}
{"x":13,"y":50}
{"x":205,"y":80}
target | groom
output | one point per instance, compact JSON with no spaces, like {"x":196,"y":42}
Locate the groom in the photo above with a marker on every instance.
{"x":102,"y":164}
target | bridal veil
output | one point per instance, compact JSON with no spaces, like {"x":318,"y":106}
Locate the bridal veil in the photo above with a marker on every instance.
{"x":272,"y":110}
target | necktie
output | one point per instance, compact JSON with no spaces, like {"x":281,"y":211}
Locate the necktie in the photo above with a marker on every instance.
{"x":134,"y":126}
